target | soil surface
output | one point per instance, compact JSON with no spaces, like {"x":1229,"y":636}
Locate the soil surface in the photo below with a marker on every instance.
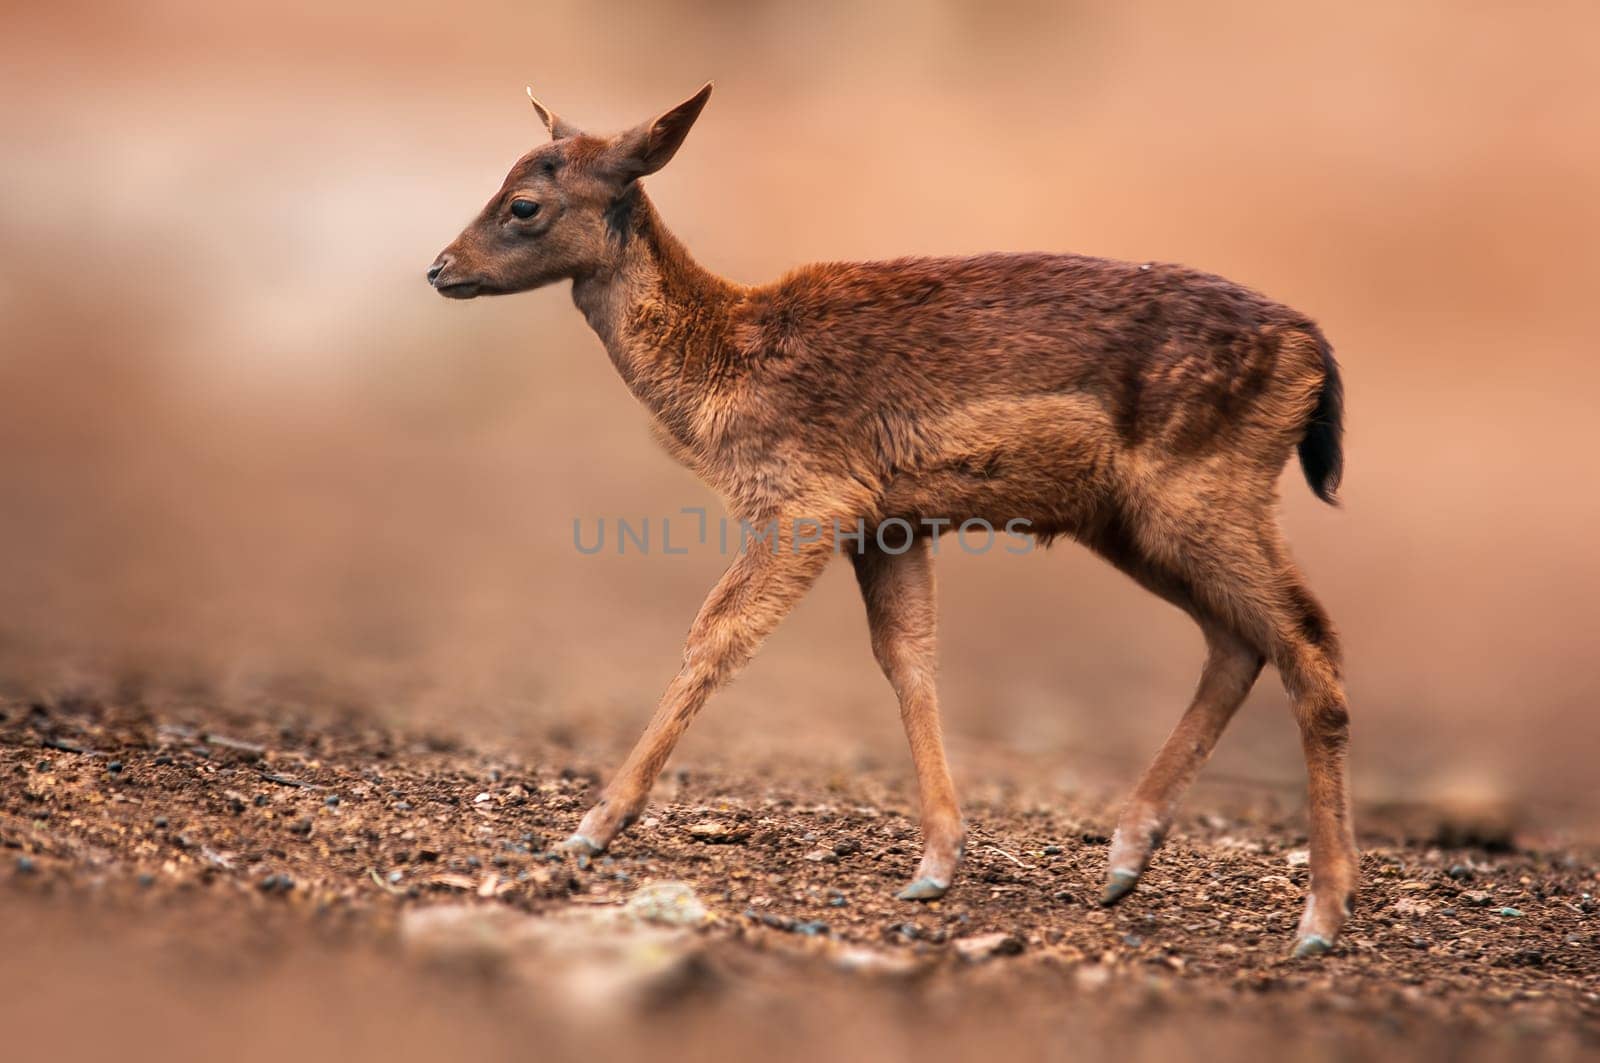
{"x":190,"y":884}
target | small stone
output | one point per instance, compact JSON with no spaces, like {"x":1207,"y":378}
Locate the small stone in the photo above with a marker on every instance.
{"x":114,"y":767}
{"x":1460,"y":872}
{"x":1297,"y":857}
{"x":276,"y":884}
{"x":262,"y":800}
{"x":483,"y":798}
{"x":300,"y":826}
{"x":716,"y":832}
{"x":822,"y":856}
{"x":146,"y":881}
{"x":861,"y":960}
{"x":1092,"y":976}
{"x":332,"y":800}
{"x":1510,"y":913}
{"x":163,"y":760}
{"x":395,"y":876}
{"x":667,"y":904}
{"x":1051,"y":850}
{"x":985,"y":946}
{"x":160,"y":823}
{"x":26,"y":866}
{"x":603,"y":963}
{"x":1477,"y":898}
{"x":846,"y":847}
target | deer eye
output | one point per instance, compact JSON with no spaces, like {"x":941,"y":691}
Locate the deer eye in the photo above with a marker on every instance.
{"x":524,"y":208}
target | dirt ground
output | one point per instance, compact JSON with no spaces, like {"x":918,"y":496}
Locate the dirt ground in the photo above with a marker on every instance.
{"x":185,"y":884}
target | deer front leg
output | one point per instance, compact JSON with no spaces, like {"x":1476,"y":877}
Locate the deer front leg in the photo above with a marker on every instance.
{"x":898,"y":591}
{"x":749,"y":600}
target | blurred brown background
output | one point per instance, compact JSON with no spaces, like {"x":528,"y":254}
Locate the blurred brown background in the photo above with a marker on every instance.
{"x":247,"y":457}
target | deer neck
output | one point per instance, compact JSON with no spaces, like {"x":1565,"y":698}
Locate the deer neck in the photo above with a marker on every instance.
{"x":664,"y":319}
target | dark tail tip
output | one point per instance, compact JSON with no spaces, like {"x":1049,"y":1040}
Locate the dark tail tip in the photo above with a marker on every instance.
{"x":1322,"y":448}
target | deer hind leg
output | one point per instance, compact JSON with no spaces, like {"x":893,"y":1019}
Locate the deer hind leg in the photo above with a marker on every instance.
{"x":1265,"y":599}
{"x":899,"y":596}
{"x":1307,"y":655}
{"x":1231,"y":668}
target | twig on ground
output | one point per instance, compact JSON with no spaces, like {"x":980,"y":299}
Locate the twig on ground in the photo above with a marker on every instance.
{"x":1008,"y":856}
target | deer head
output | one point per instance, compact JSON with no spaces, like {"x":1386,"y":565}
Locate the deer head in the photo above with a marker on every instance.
{"x":555,"y":216}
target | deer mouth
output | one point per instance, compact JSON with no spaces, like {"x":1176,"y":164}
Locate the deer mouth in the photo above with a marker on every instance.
{"x":461,"y":289}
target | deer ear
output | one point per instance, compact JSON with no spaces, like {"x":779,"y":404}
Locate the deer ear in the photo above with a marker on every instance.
{"x":560,"y":128}
{"x":646,"y":148}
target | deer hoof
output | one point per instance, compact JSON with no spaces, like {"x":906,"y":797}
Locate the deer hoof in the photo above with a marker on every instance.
{"x":923,"y":889}
{"x":1312,"y":945}
{"x":1118,"y":885}
{"x":580,"y":845}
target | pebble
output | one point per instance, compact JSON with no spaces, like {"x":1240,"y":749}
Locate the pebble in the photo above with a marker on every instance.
{"x":716,"y":832}
{"x":1510,"y":913}
{"x":114,"y":767}
{"x":862,"y":960}
{"x":846,"y":847}
{"x":984,"y":946}
{"x":332,"y":800}
{"x":1051,"y":850}
{"x":1133,"y":941}
{"x":146,"y":881}
{"x":276,"y":884}
{"x":160,"y":823}
{"x":667,"y":904}
{"x":26,"y":866}
{"x":822,"y":856}
{"x":588,"y":964}
{"x":1460,"y":872}
{"x":1477,"y":898}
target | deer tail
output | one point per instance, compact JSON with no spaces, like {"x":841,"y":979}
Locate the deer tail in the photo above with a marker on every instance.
{"x":1322,"y":446}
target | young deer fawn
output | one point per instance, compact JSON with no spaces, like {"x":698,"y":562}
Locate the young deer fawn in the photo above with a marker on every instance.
{"x":1145,"y":410}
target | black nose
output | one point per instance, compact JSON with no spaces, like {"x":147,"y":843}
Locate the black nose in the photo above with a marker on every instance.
{"x":437,"y":268}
